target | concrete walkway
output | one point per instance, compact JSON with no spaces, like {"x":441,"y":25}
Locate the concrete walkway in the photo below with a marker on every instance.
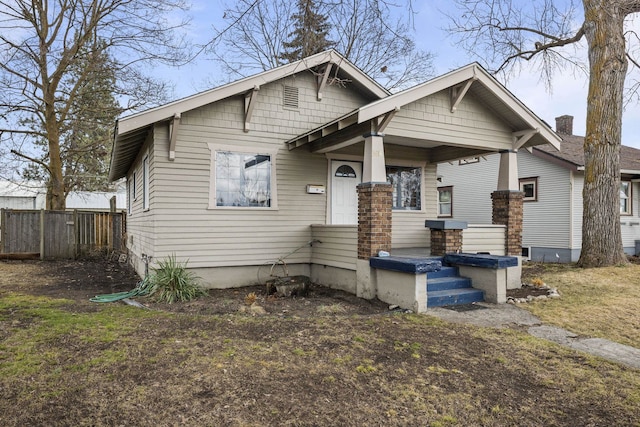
{"x":505,"y":315}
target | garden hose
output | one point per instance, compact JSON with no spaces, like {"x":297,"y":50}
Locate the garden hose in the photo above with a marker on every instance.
{"x":141,"y":289}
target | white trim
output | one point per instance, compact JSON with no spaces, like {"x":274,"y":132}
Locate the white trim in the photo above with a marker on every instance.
{"x":252,"y":149}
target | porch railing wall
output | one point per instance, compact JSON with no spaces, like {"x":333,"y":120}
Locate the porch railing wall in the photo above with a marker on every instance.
{"x":338,"y":247}
{"x":484,"y":238}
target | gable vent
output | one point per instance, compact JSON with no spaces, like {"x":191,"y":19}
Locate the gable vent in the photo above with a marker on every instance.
{"x":290,"y":97}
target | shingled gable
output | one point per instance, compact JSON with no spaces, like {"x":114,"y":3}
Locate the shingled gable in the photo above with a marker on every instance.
{"x":472,"y":78}
{"x":131,"y":131}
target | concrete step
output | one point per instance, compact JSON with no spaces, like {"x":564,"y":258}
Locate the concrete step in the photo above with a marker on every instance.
{"x":444,"y":271}
{"x":444,"y":283}
{"x":454,"y":297}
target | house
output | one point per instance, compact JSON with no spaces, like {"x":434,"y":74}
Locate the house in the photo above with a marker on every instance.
{"x":24,"y":195}
{"x":313,"y":163}
{"x":552,"y":182}
{"x":33,"y":195}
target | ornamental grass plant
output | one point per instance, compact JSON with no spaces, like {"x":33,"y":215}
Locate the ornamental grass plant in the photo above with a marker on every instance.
{"x":170,"y":281}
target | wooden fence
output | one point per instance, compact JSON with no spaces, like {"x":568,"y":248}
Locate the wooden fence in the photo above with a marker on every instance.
{"x":60,"y":234}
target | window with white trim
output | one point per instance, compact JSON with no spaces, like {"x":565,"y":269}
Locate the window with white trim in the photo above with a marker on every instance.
{"x":445,"y":202}
{"x":145,"y":183}
{"x":529,"y":186}
{"x":133,"y":189}
{"x":243,"y":179}
{"x":406,"y":184}
{"x":129,"y":195}
{"x":625,"y":198}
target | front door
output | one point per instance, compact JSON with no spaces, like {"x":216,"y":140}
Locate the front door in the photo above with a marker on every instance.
{"x":345,"y":176}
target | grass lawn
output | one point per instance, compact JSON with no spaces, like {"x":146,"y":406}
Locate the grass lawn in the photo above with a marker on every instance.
{"x":596,"y":302}
{"x":66,"y":361}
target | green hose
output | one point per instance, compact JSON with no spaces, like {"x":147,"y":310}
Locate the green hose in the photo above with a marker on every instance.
{"x":141,"y":289}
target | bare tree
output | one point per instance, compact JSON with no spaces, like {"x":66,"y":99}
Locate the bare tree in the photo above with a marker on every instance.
{"x":363,"y":30}
{"x":44,"y":66}
{"x":542,"y":32}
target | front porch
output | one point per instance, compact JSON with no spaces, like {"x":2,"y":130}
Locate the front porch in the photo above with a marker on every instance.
{"x":334,"y":262}
{"x":459,"y":116}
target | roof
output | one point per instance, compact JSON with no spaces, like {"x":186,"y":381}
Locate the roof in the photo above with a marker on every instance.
{"x":571,"y":154}
{"x":131,"y":131}
{"x":484,"y":86}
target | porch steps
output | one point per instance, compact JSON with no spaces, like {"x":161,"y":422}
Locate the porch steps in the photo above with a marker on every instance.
{"x":446,"y":287}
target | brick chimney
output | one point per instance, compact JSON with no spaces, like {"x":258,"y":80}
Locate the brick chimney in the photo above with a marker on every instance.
{"x":564,"y":125}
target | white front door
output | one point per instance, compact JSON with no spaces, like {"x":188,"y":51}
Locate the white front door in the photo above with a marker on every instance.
{"x":345,"y":176}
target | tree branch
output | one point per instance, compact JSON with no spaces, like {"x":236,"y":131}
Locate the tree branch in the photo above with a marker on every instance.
{"x":41,"y":163}
{"x":539,"y":47}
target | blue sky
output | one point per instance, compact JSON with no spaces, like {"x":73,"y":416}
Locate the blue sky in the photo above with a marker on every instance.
{"x":568,"y":94}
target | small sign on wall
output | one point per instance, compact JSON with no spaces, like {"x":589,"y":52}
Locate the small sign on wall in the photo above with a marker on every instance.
{"x":315,"y":189}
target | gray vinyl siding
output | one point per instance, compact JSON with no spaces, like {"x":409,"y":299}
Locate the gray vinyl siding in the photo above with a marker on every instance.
{"x":472,"y":185}
{"x":215,"y":237}
{"x":578,"y":185}
{"x":547,"y":221}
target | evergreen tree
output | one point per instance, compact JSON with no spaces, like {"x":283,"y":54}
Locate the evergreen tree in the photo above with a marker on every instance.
{"x":86,"y":134}
{"x":310,"y":32}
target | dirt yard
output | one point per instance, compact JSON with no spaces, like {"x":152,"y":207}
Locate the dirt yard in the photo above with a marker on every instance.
{"x":324,"y":360}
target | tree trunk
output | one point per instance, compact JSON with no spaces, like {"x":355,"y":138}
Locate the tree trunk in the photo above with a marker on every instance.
{"x":601,"y":235}
{"x":56,"y":199}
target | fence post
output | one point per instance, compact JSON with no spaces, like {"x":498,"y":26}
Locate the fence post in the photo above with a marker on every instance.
{"x":41,"y":234}
{"x":76,"y":234}
{"x":3,"y":227}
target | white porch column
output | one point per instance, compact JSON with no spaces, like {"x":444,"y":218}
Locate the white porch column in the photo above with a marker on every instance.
{"x":508,"y":173}
{"x":374,"y":168}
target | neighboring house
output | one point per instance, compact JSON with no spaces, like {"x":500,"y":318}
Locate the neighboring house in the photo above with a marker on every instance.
{"x":295,"y":162}
{"x":33,"y":195}
{"x":552,"y":183}
{"x":24,"y":195}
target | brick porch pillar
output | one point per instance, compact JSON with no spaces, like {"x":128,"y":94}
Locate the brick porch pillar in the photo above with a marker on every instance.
{"x":374,"y":219}
{"x":507,"y":211}
{"x":446,"y":236}
{"x":445,"y":241}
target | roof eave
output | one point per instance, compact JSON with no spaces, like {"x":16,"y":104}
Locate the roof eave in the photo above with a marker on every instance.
{"x":167,"y":111}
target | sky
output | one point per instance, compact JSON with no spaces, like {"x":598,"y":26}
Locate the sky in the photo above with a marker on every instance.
{"x":568,"y":93}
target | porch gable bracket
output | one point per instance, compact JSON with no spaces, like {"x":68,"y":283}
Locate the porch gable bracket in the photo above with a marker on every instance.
{"x":382,"y":122}
{"x":173,"y":132}
{"x":322,"y":80}
{"x":459,"y":91}
{"x":249,"y":104}
{"x":521,"y":137}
